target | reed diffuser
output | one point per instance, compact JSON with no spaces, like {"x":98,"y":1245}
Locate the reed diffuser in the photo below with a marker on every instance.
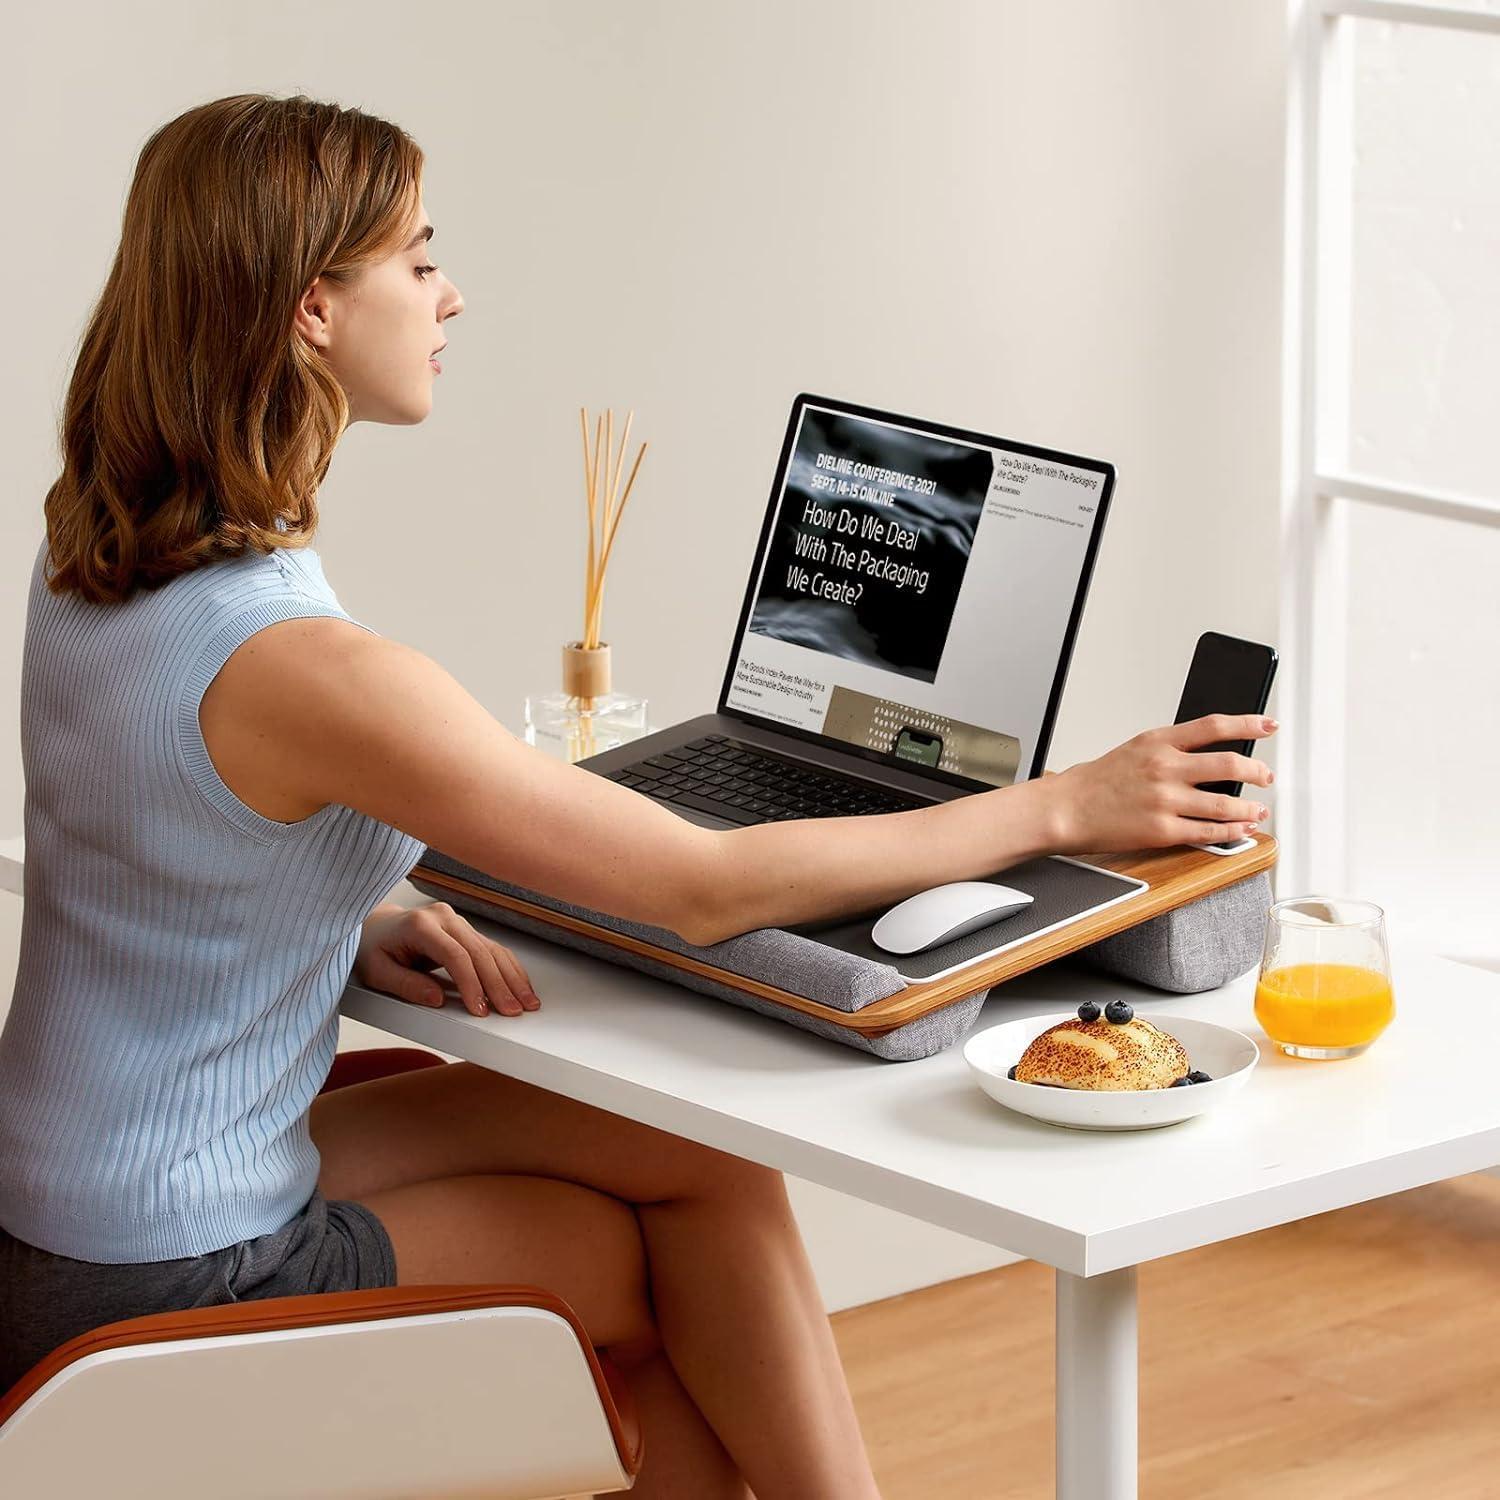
{"x":588,"y":716}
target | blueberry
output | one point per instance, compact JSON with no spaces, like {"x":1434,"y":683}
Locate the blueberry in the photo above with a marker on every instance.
{"x":1196,"y":1077}
{"x":1178,"y":1083}
{"x":1012,"y":1073}
{"x":1088,"y":1011}
{"x":1118,"y":1012}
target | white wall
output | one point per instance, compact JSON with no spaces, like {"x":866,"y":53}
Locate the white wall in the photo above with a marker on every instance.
{"x":1056,"y":221}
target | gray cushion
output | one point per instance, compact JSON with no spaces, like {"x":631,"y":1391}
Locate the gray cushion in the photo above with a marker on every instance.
{"x":920,"y":1038}
{"x":1195,"y":947}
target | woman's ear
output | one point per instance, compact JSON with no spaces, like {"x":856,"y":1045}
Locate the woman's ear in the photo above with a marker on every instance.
{"x":313,"y":318}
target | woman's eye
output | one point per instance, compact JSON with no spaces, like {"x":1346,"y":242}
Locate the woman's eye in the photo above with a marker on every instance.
{"x":423,"y":270}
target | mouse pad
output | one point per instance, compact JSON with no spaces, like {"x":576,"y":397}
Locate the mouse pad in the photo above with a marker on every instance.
{"x":1063,"y":890}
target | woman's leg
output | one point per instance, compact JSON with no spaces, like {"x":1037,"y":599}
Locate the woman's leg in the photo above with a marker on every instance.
{"x":684,"y":1458}
{"x":730,"y":1286}
{"x":585,"y":1246}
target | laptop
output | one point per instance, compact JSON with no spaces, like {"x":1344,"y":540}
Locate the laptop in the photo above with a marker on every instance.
{"x":906,"y":629}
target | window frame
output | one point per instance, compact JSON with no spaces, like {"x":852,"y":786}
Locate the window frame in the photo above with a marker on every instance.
{"x":1316,"y":495}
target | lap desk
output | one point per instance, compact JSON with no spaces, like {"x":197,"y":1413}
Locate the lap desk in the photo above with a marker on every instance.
{"x":1175,"y":919}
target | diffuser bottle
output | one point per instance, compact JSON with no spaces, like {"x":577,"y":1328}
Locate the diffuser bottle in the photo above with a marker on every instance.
{"x":587,"y":717}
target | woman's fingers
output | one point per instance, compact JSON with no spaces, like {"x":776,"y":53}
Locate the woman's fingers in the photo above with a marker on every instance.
{"x":456,"y":959}
{"x":1213,"y":833}
{"x":1228,"y":765}
{"x":497,"y":972}
{"x":515,"y":975}
{"x":405,"y":980}
{"x":1218,"y":807}
{"x":1213,"y":729}
{"x":497,"y":987}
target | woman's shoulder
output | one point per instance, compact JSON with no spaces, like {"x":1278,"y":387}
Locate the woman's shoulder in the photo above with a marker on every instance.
{"x":282,"y":674}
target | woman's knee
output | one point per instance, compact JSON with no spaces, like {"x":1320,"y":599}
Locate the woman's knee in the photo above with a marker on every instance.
{"x":585,"y":1246}
{"x":714,"y":1173}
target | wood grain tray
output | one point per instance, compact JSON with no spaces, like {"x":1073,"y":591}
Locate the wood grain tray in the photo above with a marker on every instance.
{"x":1175,"y":877}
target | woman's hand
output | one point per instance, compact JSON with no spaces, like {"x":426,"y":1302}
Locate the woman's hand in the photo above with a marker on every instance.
{"x":1143,"y":794}
{"x":400,"y":947}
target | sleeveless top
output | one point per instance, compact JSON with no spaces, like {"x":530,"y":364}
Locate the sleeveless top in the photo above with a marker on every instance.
{"x":182,"y":956}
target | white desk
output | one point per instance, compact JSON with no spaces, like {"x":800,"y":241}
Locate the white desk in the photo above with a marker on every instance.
{"x":1302,"y":1137}
{"x":12,"y":857}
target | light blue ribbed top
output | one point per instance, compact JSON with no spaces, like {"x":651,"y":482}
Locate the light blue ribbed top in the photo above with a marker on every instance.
{"x":182,"y":956}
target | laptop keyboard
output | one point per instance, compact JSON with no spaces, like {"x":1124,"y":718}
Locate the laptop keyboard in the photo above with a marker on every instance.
{"x":743,"y":784}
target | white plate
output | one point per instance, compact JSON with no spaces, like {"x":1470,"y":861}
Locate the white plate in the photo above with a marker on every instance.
{"x":1228,"y":1056}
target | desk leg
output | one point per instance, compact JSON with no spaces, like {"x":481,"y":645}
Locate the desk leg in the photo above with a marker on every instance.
{"x":1097,"y":1402}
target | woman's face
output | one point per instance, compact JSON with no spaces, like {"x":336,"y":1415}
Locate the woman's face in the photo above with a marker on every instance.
{"x":379,"y":334}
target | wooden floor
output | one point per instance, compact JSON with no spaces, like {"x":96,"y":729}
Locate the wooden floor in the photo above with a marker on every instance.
{"x":1347,"y":1357}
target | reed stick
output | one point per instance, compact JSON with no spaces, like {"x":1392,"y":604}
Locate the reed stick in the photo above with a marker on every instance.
{"x":588,"y":481}
{"x":603,"y":461}
{"x":609,"y":542}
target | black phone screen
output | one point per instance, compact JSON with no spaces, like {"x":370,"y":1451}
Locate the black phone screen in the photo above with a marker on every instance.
{"x":920,"y":745}
{"x":1227,"y":676}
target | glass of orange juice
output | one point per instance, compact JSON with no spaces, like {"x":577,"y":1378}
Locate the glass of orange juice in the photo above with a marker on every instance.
{"x":1325,"y":977}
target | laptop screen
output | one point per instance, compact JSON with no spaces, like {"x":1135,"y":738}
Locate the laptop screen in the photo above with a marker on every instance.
{"x":916,"y":592}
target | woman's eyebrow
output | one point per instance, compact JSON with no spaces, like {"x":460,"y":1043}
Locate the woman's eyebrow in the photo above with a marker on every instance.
{"x":424,"y":233}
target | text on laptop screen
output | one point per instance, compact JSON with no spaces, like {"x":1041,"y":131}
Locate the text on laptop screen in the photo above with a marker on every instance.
{"x":915,"y":593}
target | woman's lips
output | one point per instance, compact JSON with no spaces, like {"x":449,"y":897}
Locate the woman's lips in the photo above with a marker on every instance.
{"x":435,"y":365}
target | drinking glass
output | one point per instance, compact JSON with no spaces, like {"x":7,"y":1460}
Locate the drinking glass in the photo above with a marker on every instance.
{"x":1325,"y":977}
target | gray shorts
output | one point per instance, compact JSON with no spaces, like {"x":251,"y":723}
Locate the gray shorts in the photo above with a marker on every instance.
{"x":47,"y":1299}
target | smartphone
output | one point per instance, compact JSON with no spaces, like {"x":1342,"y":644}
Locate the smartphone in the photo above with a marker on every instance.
{"x":1227,"y":676}
{"x":919,"y":745}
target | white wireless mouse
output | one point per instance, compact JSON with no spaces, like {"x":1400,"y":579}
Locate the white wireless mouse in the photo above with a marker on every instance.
{"x":943,"y":913}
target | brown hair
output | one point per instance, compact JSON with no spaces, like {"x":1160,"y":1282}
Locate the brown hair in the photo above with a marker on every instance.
{"x":197,"y":418}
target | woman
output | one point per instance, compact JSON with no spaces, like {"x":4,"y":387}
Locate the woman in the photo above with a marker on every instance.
{"x":225,"y":773}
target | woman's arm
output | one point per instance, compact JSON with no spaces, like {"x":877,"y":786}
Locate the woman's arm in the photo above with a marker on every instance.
{"x":328,"y":712}
{"x":1140,"y":795}
{"x":342,"y":715}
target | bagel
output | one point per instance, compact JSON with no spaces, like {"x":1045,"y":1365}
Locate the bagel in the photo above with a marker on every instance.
{"x":1100,"y":1054}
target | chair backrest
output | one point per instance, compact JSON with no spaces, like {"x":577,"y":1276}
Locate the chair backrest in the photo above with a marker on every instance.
{"x":430,"y":1392}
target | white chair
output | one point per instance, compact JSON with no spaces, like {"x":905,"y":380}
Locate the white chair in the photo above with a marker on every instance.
{"x":398,"y":1393}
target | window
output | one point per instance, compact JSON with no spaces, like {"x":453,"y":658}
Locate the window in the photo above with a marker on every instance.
{"x":1390,"y":630}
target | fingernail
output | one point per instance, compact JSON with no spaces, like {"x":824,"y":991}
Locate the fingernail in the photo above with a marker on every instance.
{"x":1272,"y":724}
{"x":1270,"y":777}
{"x":1262,"y":812}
